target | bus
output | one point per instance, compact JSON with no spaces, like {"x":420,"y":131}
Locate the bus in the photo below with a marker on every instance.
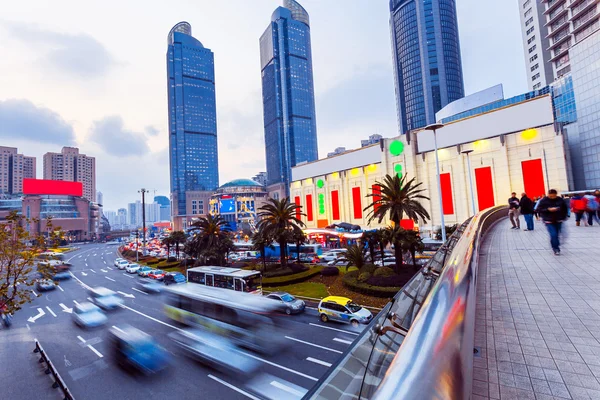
{"x":248,"y":321}
{"x":315,"y":249}
{"x":236,"y":279}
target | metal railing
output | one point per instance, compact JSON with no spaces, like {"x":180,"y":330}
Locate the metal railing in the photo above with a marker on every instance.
{"x":420,"y":346}
{"x":50,"y":369}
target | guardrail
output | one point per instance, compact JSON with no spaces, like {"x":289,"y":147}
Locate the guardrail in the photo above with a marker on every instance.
{"x":50,"y":369}
{"x":421,"y":344}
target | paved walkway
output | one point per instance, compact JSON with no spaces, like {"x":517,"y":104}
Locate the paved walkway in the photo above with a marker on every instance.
{"x":538,"y":315}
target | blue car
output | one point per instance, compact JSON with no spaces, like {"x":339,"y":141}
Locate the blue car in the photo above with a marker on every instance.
{"x":174,"y":277}
{"x":61,"y":276}
{"x":136,"y":350}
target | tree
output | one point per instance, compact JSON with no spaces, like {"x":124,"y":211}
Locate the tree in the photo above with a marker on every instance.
{"x":212,"y":239}
{"x":260,"y":242}
{"x":412,"y":243}
{"x":449,"y":231}
{"x":18,"y":251}
{"x":278,"y":219}
{"x":168,"y":242}
{"x":369,"y":239}
{"x":396,"y":235}
{"x":299,"y":238}
{"x":354,"y":256}
{"x":177,"y":238}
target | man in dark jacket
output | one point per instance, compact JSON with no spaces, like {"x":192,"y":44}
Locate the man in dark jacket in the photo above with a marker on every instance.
{"x":553,"y":211}
{"x":513,"y":211}
{"x":526,"y":205}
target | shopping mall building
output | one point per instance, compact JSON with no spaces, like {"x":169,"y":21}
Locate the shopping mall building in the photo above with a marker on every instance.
{"x":501,"y":145}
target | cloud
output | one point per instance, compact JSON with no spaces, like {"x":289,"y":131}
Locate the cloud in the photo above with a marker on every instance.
{"x":114,"y":139}
{"x":151,"y":131}
{"x":20,"y":118}
{"x":76,"y":55}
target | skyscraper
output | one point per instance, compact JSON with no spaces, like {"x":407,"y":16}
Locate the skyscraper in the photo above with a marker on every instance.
{"x":69,"y":165}
{"x":192,"y":116}
{"x":13,"y":168}
{"x":535,"y":44}
{"x":288,"y":93}
{"x":427,"y":64}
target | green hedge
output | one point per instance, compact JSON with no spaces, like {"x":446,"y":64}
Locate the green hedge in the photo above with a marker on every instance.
{"x":166,"y":264}
{"x":294,"y":278}
{"x":350,"y":281}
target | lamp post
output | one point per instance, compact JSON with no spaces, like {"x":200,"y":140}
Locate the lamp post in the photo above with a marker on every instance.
{"x":137,"y":246}
{"x":433,"y":128}
{"x":143,"y":192}
{"x":467,"y":152}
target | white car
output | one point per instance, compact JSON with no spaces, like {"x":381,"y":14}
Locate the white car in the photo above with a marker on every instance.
{"x":388,"y":261}
{"x":87,"y":315}
{"x":329,"y":256}
{"x":132,"y":268}
{"x":105,"y":298}
{"x":117,"y":260}
{"x":122,"y":264}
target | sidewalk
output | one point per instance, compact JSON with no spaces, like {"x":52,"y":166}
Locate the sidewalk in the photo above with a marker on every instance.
{"x":538,"y":315}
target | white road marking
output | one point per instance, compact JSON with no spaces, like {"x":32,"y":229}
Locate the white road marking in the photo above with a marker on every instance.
{"x":312,"y":308}
{"x":126,"y":294}
{"x":152,"y":318}
{"x":79,"y":256}
{"x":103,"y":270}
{"x":76,"y":303}
{"x":230,"y":386}
{"x":129,"y":276}
{"x":80,"y":338}
{"x":137,"y":290}
{"x":34,"y":293}
{"x":110,"y":279}
{"x":40,"y":314}
{"x":109,"y":268}
{"x":28,"y":328}
{"x":86,"y":264}
{"x":65,"y":308}
{"x":334,"y":329}
{"x":92,"y":270}
{"x":51,"y":312}
{"x":342,"y":341}
{"x":104,"y":261}
{"x":95,"y":351}
{"x":314,"y":345}
{"x":286,"y":388}
{"x":119,"y":329}
{"x":317,"y":361}
{"x":83,"y":273}
{"x":61,"y":289}
{"x":312,"y":378}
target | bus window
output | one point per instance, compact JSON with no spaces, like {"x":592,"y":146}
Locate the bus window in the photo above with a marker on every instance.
{"x":238,"y":285}
{"x":196,"y":277}
{"x":224,"y":282}
{"x":209,"y":280}
{"x":252,"y":283}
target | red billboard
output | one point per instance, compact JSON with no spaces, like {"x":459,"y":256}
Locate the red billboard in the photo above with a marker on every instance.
{"x":45,"y":186}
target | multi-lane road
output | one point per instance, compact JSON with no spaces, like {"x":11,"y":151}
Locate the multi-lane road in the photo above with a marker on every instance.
{"x":84,"y":357}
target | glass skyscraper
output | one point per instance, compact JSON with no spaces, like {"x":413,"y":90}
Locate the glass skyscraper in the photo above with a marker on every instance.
{"x":288,"y":92}
{"x":427,"y":64}
{"x":192,"y":116}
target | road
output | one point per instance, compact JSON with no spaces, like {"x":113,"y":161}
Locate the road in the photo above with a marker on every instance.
{"x":84,"y":359}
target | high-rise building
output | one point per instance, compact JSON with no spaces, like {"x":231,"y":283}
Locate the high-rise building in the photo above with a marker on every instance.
{"x":192,"y":116}
{"x":14,"y":168}
{"x":337,"y":151}
{"x":568,"y":23}
{"x":375,"y":138}
{"x":535,"y":44}
{"x":165,"y":207}
{"x":111,"y":216}
{"x":288,"y":93}
{"x":134,"y":213}
{"x":121,"y":217}
{"x":69,"y":165}
{"x":261,"y":178}
{"x":99,"y":198}
{"x":427,"y":63}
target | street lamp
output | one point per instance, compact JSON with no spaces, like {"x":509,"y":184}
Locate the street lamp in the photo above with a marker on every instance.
{"x":467,"y":152}
{"x":143,"y":192}
{"x":433,"y":128}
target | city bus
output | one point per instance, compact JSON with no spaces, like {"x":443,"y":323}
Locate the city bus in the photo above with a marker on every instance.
{"x":236,"y":279}
{"x":248,"y":321}
{"x":274,"y":251}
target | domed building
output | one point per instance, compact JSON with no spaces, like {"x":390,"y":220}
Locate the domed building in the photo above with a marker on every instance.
{"x":237,"y":202}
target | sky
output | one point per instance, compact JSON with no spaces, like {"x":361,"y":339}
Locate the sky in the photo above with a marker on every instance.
{"x":93,"y":75}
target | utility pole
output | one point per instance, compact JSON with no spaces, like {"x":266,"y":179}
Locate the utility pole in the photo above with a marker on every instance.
{"x":143,"y":192}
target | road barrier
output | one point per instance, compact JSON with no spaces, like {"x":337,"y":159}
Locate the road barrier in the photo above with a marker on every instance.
{"x":50,"y":369}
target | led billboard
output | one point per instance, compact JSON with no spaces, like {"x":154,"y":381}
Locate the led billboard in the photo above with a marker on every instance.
{"x":48,"y":187}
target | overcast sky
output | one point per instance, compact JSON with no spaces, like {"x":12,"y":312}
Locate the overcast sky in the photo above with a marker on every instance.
{"x":92,"y":74}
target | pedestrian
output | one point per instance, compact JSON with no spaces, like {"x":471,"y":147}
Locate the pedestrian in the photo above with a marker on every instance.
{"x":513,"y":211}
{"x":553,"y":211}
{"x":578,"y":207}
{"x":567,"y":200}
{"x":526,"y":208}
{"x":591,"y":208}
{"x":535,"y":211}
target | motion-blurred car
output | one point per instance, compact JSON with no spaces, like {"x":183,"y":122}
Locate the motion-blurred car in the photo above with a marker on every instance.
{"x":88,"y":315}
{"x":122,"y":264}
{"x":144,"y":271}
{"x":338,"y":262}
{"x":329,"y":256}
{"x":105,"y":298}
{"x":287,"y":303}
{"x":174,"y":277}
{"x":44,"y":285}
{"x":342,"y":309}
{"x":132,"y":268}
{"x":61,"y":276}
{"x":117,"y":260}
{"x":388,"y":261}
{"x":134,"y":349}
{"x":157,"y":274}
{"x":149,"y":286}
{"x":309,"y":258}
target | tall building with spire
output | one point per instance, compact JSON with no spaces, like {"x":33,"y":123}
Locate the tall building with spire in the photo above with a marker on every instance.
{"x":288,"y":94}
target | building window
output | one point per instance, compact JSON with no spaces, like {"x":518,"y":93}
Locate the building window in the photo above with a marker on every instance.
{"x":536,"y":66}
{"x":529,"y":21}
{"x":526,"y":4}
{"x":530,"y":30}
{"x":536,"y":76}
{"x":537,"y":85}
{"x":528,"y":13}
{"x":532,"y":59}
{"x":532,"y":49}
{"x":531,"y":39}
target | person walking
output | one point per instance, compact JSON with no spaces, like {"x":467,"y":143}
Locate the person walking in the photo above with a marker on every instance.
{"x":535,"y":205}
{"x":513,"y":211}
{"x":578,"y":207}
{"x":526,"y":208}
{"x":591,"y":208}
{"x":553,"y":211}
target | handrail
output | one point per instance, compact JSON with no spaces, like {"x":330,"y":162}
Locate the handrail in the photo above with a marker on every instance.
{"x":58,"y":381}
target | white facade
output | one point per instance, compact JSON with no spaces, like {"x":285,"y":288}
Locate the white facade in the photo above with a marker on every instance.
{"x":471,"y":101}
{"x":535,"y":44}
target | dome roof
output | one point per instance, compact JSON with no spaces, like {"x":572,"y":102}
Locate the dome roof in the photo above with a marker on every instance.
{"x":240,"y":182}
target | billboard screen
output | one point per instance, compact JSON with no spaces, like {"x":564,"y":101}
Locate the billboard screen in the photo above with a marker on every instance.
{"x":226,"y":206}
{"x":44,"y":186}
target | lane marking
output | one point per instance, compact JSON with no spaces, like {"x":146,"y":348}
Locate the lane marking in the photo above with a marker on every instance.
{"x":80,"y":338}
{"x":286,"y":388}
{"x":342,"y":341}
{"x":65,"y":308}
{"x":86,"y":264}
{"x":79,"y":256}
{"x":104,"y":261}
{"x":109,"y":268}
{"x":92,"y":348}
{"x":314,"y":345}
{"x":317,"y":361}
{"x":92,"y":270}
{"x":103,"y":270}
{"x":312,"y":378}
{"x":34,"y":293}
{"x":76,"y":303}
{"x":82,"y":273}
{"x":137,"y":290}
{"x":110,"y":279}
{"x":126,"y":294}
{"x":230,"y":386}
{"x":129,"y":276}
{"x":28,"y":328}
{"x":61,"y":289}
{"x":119,"y":329}
{"x":51,"y":312}
{"x":334,"y":329}
{"x":152,"y":318}
{"x":40,"y":314}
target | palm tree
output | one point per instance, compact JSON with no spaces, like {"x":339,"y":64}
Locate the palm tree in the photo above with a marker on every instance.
{"x":169,"y":243}
{"x":398,"y":236}
{"x":379,"y":237}
{"x":177,"y":238}
{"x":413,"y":243}
{"x":299,"y":238}
{"x":397,"y":197}
{"x":260,"y":242}
{"x":369,"y":239}
{"x":212,"y":238}
{"x":278,"y":220}
{"x":354,"y":256}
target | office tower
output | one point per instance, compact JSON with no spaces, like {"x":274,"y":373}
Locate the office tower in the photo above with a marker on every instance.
{"x":69,"y":165}
{"x":13,"y":168}
{"x":371,"y":140}
{"x":122,"y":217}
{"x":192,"y":116}
{"x":568,"y":23}
{"x":427,"y":64}
{"x":288,"y":93}
{"x":135,"y":214}
{"x":165,"y":207}
{"x":111,"y":216}
{"x":535,"y":44}
{"x":261,"y":178}
{"x":99,"y":198}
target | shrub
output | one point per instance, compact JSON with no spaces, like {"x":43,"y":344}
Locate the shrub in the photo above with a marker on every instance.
{"x":387,"y":281}
{"x":290,"y":279}
{"x":330,"y":271}
{"x":384,"y":271}
{"x":370,"y":268}
{"x":363,"y":276}
{"x":152,"y":262}
{"x":171,"y":259}
{"x":166,"y":264}
{"x":350,"y":281}
{"x":296,"y":268}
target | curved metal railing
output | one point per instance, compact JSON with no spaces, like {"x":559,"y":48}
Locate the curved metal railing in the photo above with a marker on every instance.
{"x":420,"y":346}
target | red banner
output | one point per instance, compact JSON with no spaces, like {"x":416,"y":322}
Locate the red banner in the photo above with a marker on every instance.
{"x":376,"y":196}
{"x":309,"y":207}
{"x":48,"y":187}
{"x":356,"y":202}
{"x":298,"y":209}
{"x":335,"y":205}
{"x":533,"y":178}
{"x":485,"y":188}
{"x":447,"y":200}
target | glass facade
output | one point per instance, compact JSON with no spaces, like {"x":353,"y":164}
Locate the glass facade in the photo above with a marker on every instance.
{"x":192,"y":116}
{"x":288,"y":92}
{"x":427,"y":63}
